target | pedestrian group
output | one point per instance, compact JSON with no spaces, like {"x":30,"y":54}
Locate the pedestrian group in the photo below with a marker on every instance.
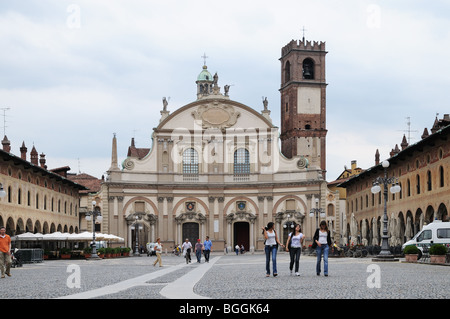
{"x":321,"y":243}
{"x":294,"y":243}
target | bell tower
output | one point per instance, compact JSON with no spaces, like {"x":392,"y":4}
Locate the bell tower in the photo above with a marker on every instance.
{"x":303,"y":102}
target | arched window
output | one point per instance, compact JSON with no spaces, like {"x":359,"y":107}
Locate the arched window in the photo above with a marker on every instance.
{"x":408,"y":188}
{"x":287,"y":71}
{"x":401,"y":191}
{"x":418,"y":184}
{"x":308,"y":69}
{"x":241,"y":161}
{"x":441,"y":176}
{"x":330,"y":210}
{"x":429,"y":184}
{"x":190,"y":161}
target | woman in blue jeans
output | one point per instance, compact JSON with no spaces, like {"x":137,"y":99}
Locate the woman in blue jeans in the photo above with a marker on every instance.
{"x":294,"y":247}
{"x":322,"y":242}
{"x":270,"y":248}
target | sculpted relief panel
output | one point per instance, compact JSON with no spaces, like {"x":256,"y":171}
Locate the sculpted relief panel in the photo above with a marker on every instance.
{"x":215,"y":115}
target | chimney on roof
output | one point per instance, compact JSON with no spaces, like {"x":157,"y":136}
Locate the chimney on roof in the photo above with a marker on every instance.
{"x":435,"y":127}
{"x":6,"y":144}
{"x":34,"y":156}
{"x":377,"y":157}
{"x":404,"y":143}
{"x":425,"y":133}
{"x":353,"y":166}
{"x":23,"y":152}
{"x":42,"y":161}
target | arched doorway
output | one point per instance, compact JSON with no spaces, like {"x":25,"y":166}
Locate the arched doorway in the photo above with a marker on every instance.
{"x":442,"y":213}
{"x":241,"y":236}
{"x":429,"y":214}
{"x":191,"y":231}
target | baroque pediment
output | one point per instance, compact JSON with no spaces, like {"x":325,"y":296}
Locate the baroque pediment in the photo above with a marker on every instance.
{"x":215,"y":115}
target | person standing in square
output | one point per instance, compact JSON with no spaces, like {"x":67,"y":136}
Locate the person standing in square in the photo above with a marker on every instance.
{"x":207,"y":248}
{"x":158,"y":250}
{"x":5,"y":253}
{"x":198,"y":250}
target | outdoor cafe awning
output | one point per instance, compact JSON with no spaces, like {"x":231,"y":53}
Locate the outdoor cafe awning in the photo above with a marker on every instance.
{"x":58,"y":236}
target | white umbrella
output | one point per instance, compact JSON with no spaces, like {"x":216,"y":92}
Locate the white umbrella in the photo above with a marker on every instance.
{"x":29,"y":236}
{"x":56,"y":236}
{"x":81,"y":236}
{"x":111,"y":237}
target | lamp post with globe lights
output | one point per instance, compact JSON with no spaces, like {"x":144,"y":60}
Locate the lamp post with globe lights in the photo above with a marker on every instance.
{"x":136,"y":231}
{"x":316,"y":212}
{"x":385,"y":254}
{"x":94,"y":215}
{"x":288,"y":225}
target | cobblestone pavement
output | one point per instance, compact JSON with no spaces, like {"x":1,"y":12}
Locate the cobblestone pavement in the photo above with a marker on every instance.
{"x":225,"y":277}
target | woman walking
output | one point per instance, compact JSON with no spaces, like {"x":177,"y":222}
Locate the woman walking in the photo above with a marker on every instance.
{"x":271,"y":247}
{"x":322,"y":241}
{"x":295,"y":240}
{"x":158,"y":250}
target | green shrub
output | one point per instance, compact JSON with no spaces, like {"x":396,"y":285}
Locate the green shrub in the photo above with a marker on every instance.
{"x":411,"y":250}
{"x":438,"y":249}
{"x":65,"y":251}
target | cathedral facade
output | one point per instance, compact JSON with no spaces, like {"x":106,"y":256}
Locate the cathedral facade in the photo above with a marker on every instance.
{"x":216,"y":167}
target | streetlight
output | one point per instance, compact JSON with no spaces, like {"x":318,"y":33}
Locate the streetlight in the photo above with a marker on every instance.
{"x":93,"y":215}
{"x":288,"y":224}
{"x":385,"y":254}
{"x":136,"y":230}
{"x":316,"y":211}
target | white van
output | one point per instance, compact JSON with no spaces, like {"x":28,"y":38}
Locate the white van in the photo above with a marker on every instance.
{"x":437,"y":232}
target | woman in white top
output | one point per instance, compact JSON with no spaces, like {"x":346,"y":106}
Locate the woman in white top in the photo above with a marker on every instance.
{"x":295,"y":240}
{"x":270,"y":248}
{"x":322,"y":241}
{"x":158,"y":249}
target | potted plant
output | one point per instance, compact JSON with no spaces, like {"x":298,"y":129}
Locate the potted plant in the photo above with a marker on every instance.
{"x":87,"y":252}
{"x":437,"y":254}
{"x":411,"y":253}
{"x":108,"y":252}
{"x":46,"y":254}
{"x":126,"y":251}
{"x":116,"y":252}
{"x":65,"y":253}
{"x":101,"y":252}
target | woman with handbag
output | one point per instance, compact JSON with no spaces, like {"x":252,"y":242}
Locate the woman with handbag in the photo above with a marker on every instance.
{"x":271,"y":247}
{"x":322,"y":242}
{"x":294,"y":247}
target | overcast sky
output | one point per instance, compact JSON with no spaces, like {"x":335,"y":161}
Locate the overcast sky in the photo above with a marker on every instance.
{"x":73,"y":73}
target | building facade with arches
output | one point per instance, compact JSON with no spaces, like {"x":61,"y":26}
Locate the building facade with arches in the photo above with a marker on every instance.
{"x":38,"y":200}
{"x":423,"y":174}
{"x":215,"y":168}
